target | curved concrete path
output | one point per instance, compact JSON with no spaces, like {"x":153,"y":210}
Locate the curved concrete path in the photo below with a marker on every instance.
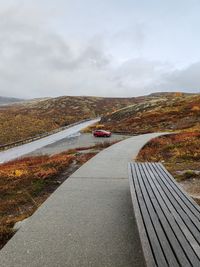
{"x":87,"y":221}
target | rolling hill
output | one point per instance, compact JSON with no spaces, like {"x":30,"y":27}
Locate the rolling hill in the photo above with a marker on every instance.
{"x":155,"y":112}
{"x":159,"y":112}
{"x":30,"y":118}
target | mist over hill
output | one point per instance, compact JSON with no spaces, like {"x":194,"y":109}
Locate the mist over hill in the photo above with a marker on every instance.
{"x":9,"y":100}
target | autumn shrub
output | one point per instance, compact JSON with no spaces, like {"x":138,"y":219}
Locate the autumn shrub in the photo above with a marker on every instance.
{"x":181,"y":147}
{"x":165,"y":114}
{"x":22,"y":182}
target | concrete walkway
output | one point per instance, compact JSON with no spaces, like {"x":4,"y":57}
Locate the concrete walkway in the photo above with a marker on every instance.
{"x":87,"y":221}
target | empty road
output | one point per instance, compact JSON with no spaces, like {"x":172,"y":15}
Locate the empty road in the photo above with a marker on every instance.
{"x":22,"y":150}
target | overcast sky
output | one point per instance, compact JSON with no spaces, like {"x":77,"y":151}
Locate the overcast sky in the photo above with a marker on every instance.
{"x":98,"y":47}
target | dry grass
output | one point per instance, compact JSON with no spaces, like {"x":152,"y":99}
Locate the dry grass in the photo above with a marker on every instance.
{"x":23,"y":186}
{"x":180,"y":153}
{"x":25,"y":120}
{"x":170,"y":114}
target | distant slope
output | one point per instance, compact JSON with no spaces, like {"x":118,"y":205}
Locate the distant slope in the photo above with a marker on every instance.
{"x":9,"y":100}
{"x":30,"y":118}
{"x":155,"y":112}
{"x":160,"y":113}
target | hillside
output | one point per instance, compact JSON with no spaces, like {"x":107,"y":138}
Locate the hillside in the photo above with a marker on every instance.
{"x":155,"y":112}
{"x":27,"y":119}
{"x":161,"y":112}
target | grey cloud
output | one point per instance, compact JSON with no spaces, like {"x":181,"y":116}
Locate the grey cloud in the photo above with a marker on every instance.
{"x":135,"y":36}
{"x":35,"y":61}
{"x":184,"y":79}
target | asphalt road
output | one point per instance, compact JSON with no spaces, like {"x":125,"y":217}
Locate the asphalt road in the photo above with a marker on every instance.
{"x":88,"y":221}
{"x":22,"y":150}
{"x":75,"y":141}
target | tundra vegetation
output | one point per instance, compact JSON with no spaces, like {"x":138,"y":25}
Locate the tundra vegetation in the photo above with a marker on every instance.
{"x":29,"y":119}
{"x":167,"y":113}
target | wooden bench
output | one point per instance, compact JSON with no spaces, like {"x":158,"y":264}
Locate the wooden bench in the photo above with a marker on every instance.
{"x":168,"y":219}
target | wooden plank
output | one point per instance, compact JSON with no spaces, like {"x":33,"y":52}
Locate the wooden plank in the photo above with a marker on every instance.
{"x":162,"y":238}
{"x":183,"y":224}
{"x":176,"y":250}
{"x":180,"y":212}
{"x":182,"y":209}
{"x":147,"y":251}
{"x":170,"y":218}
{"x":188,"y":244}
{"x":151,"y":233}
{"x":185,"y":197}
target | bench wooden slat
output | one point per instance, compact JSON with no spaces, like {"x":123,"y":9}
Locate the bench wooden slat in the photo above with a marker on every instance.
{"x":160,"y":232}
{"x":147,"y":250}
{"x":188,"y":245}
{"x":159,"y":220}
{"x":182,"y":208}
{"x":184,"y":194}
{"x":179,"y":212}
{"x":170,"y":228}
{"x":176,"y":248}
{"x":151,"y":233}
{"x":185,"y":198}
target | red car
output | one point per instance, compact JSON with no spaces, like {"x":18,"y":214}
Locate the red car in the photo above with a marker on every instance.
{"x":101,"y":133}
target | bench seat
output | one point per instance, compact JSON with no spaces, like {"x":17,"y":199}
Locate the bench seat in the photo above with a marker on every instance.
{"x":168,"y":219}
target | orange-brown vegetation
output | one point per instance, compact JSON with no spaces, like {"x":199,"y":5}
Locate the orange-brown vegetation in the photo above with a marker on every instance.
{"x":156,"y":112}
{"x":22,"y":184}
{"x":180,"y":153}
{"x":28,"y":119}
{"x":171,"y":113}
{"x":174,"y":148}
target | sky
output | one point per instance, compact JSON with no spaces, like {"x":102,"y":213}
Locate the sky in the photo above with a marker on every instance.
{"x":120,"y":48}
